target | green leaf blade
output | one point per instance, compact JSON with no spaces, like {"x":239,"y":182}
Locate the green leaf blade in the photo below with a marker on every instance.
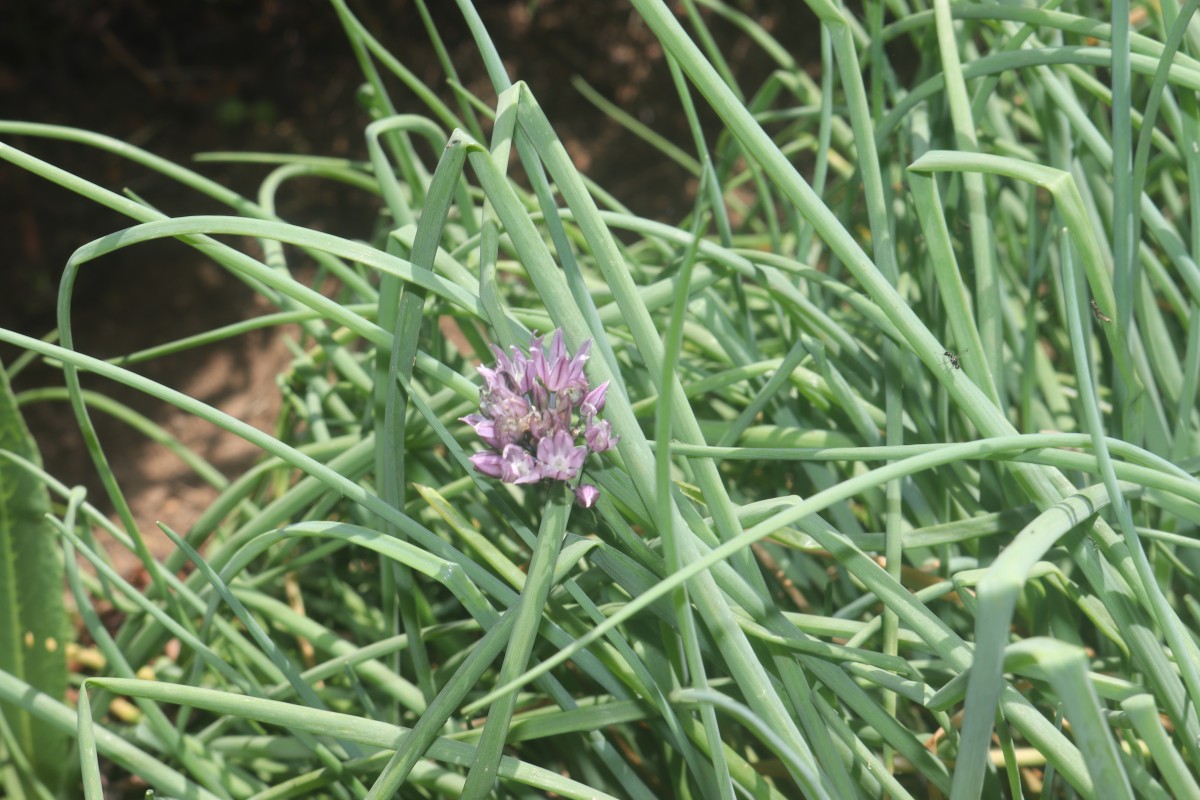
{"x":33,"y":621}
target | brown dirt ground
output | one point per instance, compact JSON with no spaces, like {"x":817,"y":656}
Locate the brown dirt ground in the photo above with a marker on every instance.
{"x":181,"y":78}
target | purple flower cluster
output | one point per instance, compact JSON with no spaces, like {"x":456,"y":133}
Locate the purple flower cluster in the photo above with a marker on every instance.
{"x":527,"y":410}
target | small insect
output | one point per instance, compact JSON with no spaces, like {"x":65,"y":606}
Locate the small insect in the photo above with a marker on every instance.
{"x":1100,"y":315}
{"x":953,"y":359}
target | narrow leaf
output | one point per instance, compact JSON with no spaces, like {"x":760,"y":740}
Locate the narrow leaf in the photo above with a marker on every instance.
{"x":33,"y":622}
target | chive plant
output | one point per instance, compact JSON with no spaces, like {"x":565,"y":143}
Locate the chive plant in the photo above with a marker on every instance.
{"x":893,"y":495}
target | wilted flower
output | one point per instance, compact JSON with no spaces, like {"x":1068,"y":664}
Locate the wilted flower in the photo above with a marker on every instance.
{"x":526,"y":407}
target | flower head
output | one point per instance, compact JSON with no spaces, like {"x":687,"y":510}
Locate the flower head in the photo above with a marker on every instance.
{"x":528,"y":407}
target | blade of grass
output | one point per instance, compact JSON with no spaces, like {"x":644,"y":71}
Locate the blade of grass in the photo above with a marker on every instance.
{"x":484,"y":769}
{"x":365,"y":732}
{"x":1066,"y":667}
{"x":33,"y":619}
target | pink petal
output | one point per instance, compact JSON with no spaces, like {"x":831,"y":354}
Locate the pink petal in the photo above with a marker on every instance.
{"x":586,"y":495}
{"x":489,"y":463}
